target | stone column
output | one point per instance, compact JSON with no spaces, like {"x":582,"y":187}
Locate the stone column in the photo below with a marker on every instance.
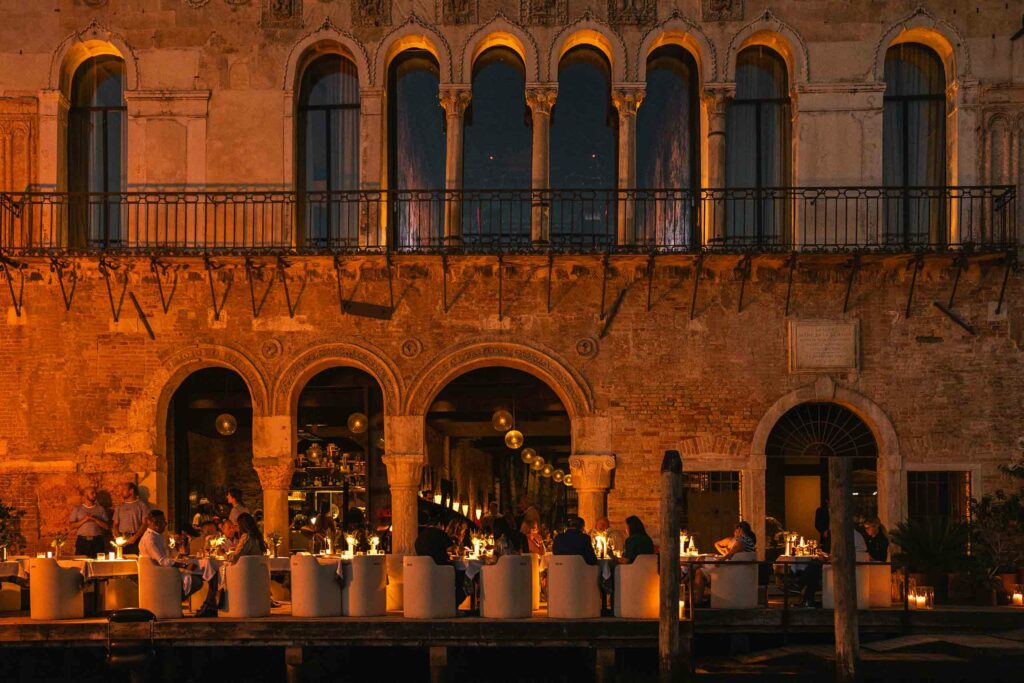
{"x":541,"y":99}
{"x":274,"y":465}
{"x":404,"y":472}
{"x":963,"y":146}
{"x":455,"y":99}
{"x":716,"y":99}
{"x":627,"y":98}
{"x":372,"y":168}
{"x":52,"y":159}
{"x":592,"y":477}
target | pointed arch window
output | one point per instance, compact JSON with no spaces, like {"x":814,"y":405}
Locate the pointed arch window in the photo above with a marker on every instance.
{"x":914,"y":146}
{"x":668,"y":150}
{"x":758,"y":151}
{"x":328,"y":167}
{"x":96,"y":153}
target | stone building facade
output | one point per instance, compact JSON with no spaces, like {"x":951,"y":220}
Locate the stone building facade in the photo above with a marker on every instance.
{"x":680,"y":350}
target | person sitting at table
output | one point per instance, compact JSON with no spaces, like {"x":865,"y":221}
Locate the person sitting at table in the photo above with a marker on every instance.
{"x":458,"y":532}
{"x":250,"y":540}
{"x":91,"y":524}
{"x":324,"y":529}
{"x":534,"y":537}
{"x":743,"y":540}
{"x":229,"y":531}
{"x":130,"y":518}
{"x":207,"y":532}
{"x":153,"y":545}
{"x":434,"y":543}
{"x":810,"y":579}
{"x":508,"y":541}
{"x":603,"y":526}
{"x":234,"y":496}
{"x":203,"y":515}
{"x":638,"y":542}
{"x":875,"y":540}
{"x":573,"y":541}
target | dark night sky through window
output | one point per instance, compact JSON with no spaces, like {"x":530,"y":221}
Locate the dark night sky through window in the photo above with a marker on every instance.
{"x":584,"y":124}
{"x":498,"y":141}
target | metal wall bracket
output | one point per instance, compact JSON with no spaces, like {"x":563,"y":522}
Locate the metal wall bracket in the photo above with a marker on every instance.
{"x":650,"y":280}
{"x":142,"y":315}
{"x":159,"y":269}
{"x":1011,"y":264}
{"x":551,"y":270}
{"x":954,"y":317}
{"x":17,"y":299}
{"x":501,"y":286}
{"x":744,"y":266}
{"x":605,"y":263}
{"x":960,"y":263}
{"x":210,"y":268}
{"x":791,"y":262}
{"x":854,"y":266}
{"x":444,"y":282}
{"x":696,"y":283}
{"x":918,"y":263}
{"x":254,"y":271}
{"x":107,"y":269}
{"x":282,"y":268}
{"x":59,"y":267}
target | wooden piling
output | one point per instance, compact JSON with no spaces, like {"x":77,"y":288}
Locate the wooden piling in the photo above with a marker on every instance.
{"x":843,"y":570}
{"x":670,"y":665}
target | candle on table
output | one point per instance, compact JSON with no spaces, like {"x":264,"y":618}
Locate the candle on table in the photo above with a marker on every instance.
{"x":1018,"y":599}
{"x":682,"y":609}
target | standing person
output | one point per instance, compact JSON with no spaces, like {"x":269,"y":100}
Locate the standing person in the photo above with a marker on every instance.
{"x":822,"y":524}
{"x":130,"y":517}
{"x":638,"y":542}
{"x":237,"y":507}
{"x":91,"y":524}
{"x":154,"y":546}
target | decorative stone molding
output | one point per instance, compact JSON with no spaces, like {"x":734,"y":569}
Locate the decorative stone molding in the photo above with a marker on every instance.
{"x":591,"y":472}
{"x":19,"y":136}
{"x":281,"y":14}
{"x":541,"y":99}
{"x":500,"y":24}
{"x":570,"y":386}
{"x":798,"y":58}
{"x":197,"y":4}
{"x":413,"y":26}
{"x":455,"y":99}
{"x":543,"y":12}
{"x":411,"y":347}
{"x":371,"y":12}
{"x":627,"y":98}
{"x":271,"y":350}
{"x":404,"y":470}
{"x":322,"y":38}
{"x":717,"y":97}
{"x":947,"y":33}
{"x":721,"y":10}
{"x":678,"y":29}
{"x":78,"y":47}
{"x":632,"y":11}
{"x":306,"y":364}
{"x":184,"y":361}
{"x":457,"y":11}
{"x":615,"y":45}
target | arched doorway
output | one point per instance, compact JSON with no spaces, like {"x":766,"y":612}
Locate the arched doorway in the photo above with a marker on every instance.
{"x":796,"y":475}
{"x":473,"y":458}
{"x":209,"y":441}
{"x":339,"y":445}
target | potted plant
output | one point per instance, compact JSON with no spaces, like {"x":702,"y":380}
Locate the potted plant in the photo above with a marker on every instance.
{"x":11,"y":539}
{"x":933,"y":548}
{"x":998,"y":536}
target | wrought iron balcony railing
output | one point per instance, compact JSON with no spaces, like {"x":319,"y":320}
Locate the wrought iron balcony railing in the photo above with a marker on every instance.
{"x":504,"y":221}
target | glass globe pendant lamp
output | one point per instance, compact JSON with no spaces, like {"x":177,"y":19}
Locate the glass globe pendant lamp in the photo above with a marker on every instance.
{"x":528,"y":455}
{"x":226,"y":424}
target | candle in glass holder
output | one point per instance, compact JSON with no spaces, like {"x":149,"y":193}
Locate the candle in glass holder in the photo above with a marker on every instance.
{"x":101,"y":556}
{"x":111,"y":555}
{"x":351,"y":542}
{"x":1018,"y":599}
{"x":1017,"y":595}
{"x":682,"y":609}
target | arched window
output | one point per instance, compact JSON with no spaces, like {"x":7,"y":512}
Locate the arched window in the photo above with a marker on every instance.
{"x":416,"y":153}
{"x":584,"y":135}
{"x":328,"y":165}
{"x":914,"y":146}
{"x":758,"y":144}
{"x":668,"y":149}
{"x":497,"y":149}
{"x":96,"y":152}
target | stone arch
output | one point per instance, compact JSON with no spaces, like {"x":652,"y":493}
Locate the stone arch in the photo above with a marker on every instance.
{"x":291,"y":381}
{"x":92,"y":41}
{"x":566,"y":382}
{"x":922,"y":27}
{"x":587,"y":30}
{"x":326,"y":39}
{"x":412,"y":33}
{"x":500,"y":31}
{"x":770,"y":31}
{"x":678,"y":30}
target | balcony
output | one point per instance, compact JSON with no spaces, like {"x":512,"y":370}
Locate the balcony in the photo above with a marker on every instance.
{"x":244,"y":222}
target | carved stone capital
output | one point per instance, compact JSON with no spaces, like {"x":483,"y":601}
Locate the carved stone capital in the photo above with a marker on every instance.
{"x":455,"y":100}
{"x":592,"y":472}
{"x":627,"y":98}
{"x":540,"y":100}
{"x":274,"y":473}
{"x":717,"y":97}
{"x":404,"y":469}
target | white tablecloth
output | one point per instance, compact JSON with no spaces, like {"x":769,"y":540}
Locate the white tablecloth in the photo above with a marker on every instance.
{"x":794,"y":563}
{"x":12,"y":569}
{"x":94,"y":569}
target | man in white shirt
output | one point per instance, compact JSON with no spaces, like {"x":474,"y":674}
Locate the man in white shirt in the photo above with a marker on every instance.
{"x":237,"y":507}
{"x":153,"y":545}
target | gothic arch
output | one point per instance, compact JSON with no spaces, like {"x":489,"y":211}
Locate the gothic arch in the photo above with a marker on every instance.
{"x":588,"y":30}
{"x":678,"y":30}
{"x":307,"y":364}
{"x":500,"y":31}
{"x":457,"y":360}
{"x":92,"y":41}
{"x":922,"y":27}
{"x":770,"y":31}
{"x":412,"y":33}
{"x":328,"y":38}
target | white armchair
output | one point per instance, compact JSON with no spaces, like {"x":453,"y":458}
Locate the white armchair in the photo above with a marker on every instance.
{"x":506,"y":588}
{"x":55,"y":592}
{"x":734,"y":586}
{"x":395,"y":581}
{"x":863,"y":579}
{"x":316,"y":591}
{"x":572,"y":588}
{"x":636,"y":589}
{"x":247,"y":587}
{"x":160,"y":589}
{"x":365,"y":589}
{"x":880,"y":578}
{"x":429,"y":589}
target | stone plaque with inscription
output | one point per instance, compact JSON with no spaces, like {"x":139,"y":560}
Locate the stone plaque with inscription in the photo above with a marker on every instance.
{"x":824,"y":345}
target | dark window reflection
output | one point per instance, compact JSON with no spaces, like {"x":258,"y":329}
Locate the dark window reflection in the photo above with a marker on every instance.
{"x":416,"y":152}
{"x":914,"y":145}
{"x":584,"y":133}
{"x":96,"y":152}
{"x":668,"y":149}
{"x":497,"y":150}
{"x":758,"y":142}
{"x":329,"y":151}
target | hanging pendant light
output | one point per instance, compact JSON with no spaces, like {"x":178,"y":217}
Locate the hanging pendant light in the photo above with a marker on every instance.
{"x":528,"y":455}
{"x":538,"y":464}
{"x":567,"y":480}
{"x":557,"y":475}
{"x":513,"y":438}
{"x":501,"y":420}
{"x":547,"y":470}
{"x":226,"y":424}
{"x":357,"y":423}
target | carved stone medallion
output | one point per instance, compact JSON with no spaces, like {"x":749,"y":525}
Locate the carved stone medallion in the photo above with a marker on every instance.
{"x":371,"y":12}
{"x":411,"y":347}
{"x":632,"y":11}
{"x":587,"y":347}
{"x":722,"y":10}
{"x":281,"y":14}
{"x":271,"y":349}
{"x":544,"y":12}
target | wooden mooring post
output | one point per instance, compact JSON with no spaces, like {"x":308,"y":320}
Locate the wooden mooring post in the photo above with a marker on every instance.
{"x":843,"y":570}
{"x":671,"y":665}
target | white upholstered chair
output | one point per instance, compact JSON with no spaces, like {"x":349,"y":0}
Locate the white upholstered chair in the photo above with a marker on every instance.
{"x":734,"y":586}
{"x":55,"y":592}
{"x":10,"y":597}
{"x":395,"y":580}
{"x":365,"y":587}
{"x":506,"y":588}
{"x":316,"y":590}
{"x":636,"y":589}
{"x":247,"y":587}
{"x":863,"y":578}
{"x":160,"y":589}
{"x":880,"y":579}
{"x":572,"y":588}
{"x":429,"y":589}
{"x":535,"y":560}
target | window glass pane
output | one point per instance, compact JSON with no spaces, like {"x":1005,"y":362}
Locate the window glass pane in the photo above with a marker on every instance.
{"x":710,"y":506}
{"x":99,"y":82}
{"x":330,"y":80}
{"x":498,"y":141}
{"x":912,"y":69}
{"x":584,"y":124}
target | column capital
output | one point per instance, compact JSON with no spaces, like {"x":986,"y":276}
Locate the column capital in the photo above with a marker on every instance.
{"x":541,"y":98}
{"x":455,"y":99}
{"x":274,"y":473}
{"x":404,"y":469}
{"x":591,"y":471}
{"x":717,"y":96}
{"x":627,"y":97}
